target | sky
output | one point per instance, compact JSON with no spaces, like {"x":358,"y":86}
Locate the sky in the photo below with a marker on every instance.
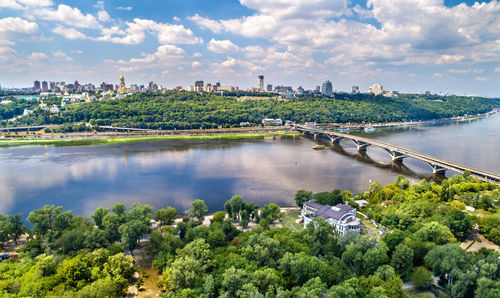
{"x":443,"y":46}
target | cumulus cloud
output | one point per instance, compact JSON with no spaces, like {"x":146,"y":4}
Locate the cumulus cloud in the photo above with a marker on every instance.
{"x":68,"y":15}
{"x":62,"y":55}
{"x":136,"y":31}
{"x":16,"y":26}
{"x":103,"y":16}
{"x":22,"y":4}
{"x":222,"y":46}
{"x":127,"y":8}
{"x":206,"y":23}
{"x":195,"y":64}
{"x":69,"y":33}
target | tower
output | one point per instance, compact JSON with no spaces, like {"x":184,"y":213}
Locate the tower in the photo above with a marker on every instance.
{"x":122,"y":82}
{"x":260,"y":81}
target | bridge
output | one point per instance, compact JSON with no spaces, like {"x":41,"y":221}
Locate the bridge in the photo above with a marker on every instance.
{"x":439,"y":166}
{"x":23,"y":128}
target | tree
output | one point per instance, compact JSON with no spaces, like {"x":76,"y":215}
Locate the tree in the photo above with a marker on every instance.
{"x":236,"y":202}
{"x":131,"y":232}
{"x":166,"y":216}
{"x":16,"y":226}
{"x":198,"y":209}
{"x":459,"y":223}
{"x":421,"y":277}
{"x":402,"y":260}
{"x":98,"y":216}
{"x":434,"y":232}
{"x":233,"y":280}
{"x":302,"y":196}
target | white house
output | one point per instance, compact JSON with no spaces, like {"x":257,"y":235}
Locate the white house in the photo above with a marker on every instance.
{"x":341,"y":216}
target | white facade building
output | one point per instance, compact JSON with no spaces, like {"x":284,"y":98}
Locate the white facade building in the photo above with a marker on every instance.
{"x":376,"y":89}
{"x":342,"y":217}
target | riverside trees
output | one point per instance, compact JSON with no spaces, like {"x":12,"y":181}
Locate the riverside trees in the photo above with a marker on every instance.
{"x":201,"y":259}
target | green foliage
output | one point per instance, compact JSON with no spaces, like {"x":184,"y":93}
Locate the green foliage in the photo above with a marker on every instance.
{"x":166,"y":216}
{"x":302,"y":196}
{"x":421,"y":277}
{"x":490,"y":227}
{"x":183,"y":110}
{"x":198,"y":209}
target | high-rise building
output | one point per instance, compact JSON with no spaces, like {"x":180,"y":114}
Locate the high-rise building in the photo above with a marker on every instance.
{"x":45,"y":86}
{"x":152,"y":86}
{"x":317,"y":89}
{"x":52,"y":86}
{"x":36,"y":86}
{"x":269,"y":88}
{"x":355,"y":90}
{"x":260,"y":82}
{"x":376,"y":89}
{"x":198,"y":86}
{"x":300,"y":90}
{"x":327,"y":88}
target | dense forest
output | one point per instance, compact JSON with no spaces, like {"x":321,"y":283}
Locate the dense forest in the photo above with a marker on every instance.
{"x":193,"y":256}
{"x":185,"y":110}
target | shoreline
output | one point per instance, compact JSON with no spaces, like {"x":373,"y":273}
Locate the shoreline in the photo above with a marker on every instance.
{"x":27,"y":138}
{"x":103,"y":140}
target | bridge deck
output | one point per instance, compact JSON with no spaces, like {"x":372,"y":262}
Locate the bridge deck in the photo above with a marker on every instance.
{"x":484,"y":175}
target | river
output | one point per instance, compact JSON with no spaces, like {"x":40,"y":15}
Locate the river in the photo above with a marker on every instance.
{"x":175,"y":172}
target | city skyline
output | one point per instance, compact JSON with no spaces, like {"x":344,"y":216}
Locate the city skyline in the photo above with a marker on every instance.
{"x":411,"y":46}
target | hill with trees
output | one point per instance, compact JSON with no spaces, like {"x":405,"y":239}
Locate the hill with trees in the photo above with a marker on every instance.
{"x":187,"y":110}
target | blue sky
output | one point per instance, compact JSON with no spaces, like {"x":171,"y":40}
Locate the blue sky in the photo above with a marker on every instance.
{"x":406,"y":45}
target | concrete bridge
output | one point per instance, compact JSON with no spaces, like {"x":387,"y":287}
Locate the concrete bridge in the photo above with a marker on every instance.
{"x":439,"y":166}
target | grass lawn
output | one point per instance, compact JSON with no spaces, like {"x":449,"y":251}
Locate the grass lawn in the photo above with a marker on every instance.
{"x":288,"y":220}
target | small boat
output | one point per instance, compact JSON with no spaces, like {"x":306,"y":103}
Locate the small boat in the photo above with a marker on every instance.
{"x":369,"y":129}
{"x":319,"y":147}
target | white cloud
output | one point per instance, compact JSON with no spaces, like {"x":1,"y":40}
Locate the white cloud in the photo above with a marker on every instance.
{"x":22,"y":4}
{"x":197,"y":55}
{"x":69,"y":33}
{"x":164,"y":55}
{"x":482,"y":79}
{"x":285,"y":9}
{"x":232,"y":65}
{"x":103,"y":16}
{"x":497,"y":69}
{"x":12,"y":27}
{"x":37,"y":57}
{"x":206,"y":23}
{"x":447,"y":59}
{"x":135,"y":33}
{"x":195,"y":64}
{"x":437,"y":75}
{"x":175,"y":18}
{"x":222,"y":46}
{"x":68,"y":15}
{"x":77,"y":51}
{"x":6,"y":53}
{"x":62,"y":55}
{"x":127,"y":8}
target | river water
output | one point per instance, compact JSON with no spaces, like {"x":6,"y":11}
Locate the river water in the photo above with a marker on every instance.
{"x":173,"y":173}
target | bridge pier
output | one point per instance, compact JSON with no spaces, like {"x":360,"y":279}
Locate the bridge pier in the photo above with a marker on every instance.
{"x":437,"y":169}
{"x":396,"y":156}
{"x":334,"y":139}
{"x":361,"y":146}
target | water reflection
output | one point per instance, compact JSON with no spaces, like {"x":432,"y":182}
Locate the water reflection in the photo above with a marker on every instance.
{"x":173,"y":173}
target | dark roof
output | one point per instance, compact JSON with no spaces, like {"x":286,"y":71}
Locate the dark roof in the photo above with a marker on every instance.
{"x":326,"y":211}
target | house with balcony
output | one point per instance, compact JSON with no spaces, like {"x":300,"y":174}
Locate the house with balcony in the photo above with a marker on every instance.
{"x":342,"y":217}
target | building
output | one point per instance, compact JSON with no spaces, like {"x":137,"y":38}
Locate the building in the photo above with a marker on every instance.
{"x":45,"y":86}
{"x":342,"y":217}
{"x":269,"y":88}
{"x":355,"y":90}
{"x":260,"y":82}
{"x":36,"y":86}
{"x":152,"y":86}
{"x":198,"y":86}
{"x":300,"y":90}
{"x":376,"y":89}
{"x":272,"y":122}
{"x":327,"y":88}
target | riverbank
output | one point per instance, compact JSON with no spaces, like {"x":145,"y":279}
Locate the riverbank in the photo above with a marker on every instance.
{"x":100,"y":140}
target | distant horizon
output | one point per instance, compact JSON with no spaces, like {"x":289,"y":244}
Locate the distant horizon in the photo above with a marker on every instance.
{"x":441,"y":46}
